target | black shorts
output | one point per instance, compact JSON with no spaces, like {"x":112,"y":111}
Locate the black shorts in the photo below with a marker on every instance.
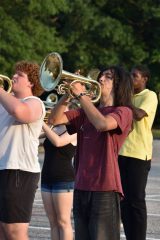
{"x":17,"y":192}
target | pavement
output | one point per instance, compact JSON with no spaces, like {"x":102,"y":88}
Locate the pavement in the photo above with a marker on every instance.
{"x":39,"y":227}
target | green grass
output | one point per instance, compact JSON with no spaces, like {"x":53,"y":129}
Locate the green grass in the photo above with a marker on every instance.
{"x":156,"y":133}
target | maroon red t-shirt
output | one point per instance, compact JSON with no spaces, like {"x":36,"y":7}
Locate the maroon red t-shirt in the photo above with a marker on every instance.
{"x":97,"y":152}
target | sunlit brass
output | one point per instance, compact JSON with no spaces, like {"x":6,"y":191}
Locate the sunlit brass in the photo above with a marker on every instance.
{"x":52,"y":76}
{"x":49,"y":103}
{"x":5,"y":83}
{"x":51,"y":100}
{"x":48,"y":112}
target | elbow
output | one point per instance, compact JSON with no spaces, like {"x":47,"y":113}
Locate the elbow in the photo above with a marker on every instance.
{"x":53,"y":120}
{"x":57,"y":144}
{"x":101,"y":127}
{"x":138,"y":118}
{"x":57,"y":120}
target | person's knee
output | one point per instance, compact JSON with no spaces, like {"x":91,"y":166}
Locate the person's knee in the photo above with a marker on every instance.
{"x":53,"y":223}
{"x":2,"y":232}
{"x":16,"y":231}
{"x":64,"y":222}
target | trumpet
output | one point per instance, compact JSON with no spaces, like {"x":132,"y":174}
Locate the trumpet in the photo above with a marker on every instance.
{"x":49,"y":103}
{"x":51,"y":100}
{"x":52,"y":76}
{"x":5,"y":83}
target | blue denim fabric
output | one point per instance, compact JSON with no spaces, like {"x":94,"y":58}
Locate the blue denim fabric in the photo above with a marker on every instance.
{"x":58,"y":187}
{"x":96,"y":215}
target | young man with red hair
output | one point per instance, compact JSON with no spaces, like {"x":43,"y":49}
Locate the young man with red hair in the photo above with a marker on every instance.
{"x":21,"y":119}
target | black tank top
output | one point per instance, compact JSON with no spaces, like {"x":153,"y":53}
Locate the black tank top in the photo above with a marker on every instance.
{"x":57,"y":166}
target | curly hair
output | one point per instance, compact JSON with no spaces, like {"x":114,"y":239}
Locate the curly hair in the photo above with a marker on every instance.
{"x":32,"y":71}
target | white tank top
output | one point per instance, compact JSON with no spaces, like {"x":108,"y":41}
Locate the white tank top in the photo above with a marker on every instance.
{"x":19,"y":141}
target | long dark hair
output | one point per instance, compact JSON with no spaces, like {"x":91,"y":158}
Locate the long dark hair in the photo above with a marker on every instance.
{"x":123,"y":85}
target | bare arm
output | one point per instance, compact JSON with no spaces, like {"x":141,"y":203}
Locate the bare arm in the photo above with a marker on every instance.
{"x":138,"y":113}
{"x":57,"y":115}
{"x":25,"y":112}
{"x":101,"y":122}
{"x":59,"y":141}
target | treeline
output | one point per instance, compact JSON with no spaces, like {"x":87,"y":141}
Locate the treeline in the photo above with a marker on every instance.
{"x":87,"y":33}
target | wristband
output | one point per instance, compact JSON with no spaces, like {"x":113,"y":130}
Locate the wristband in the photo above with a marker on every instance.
{"x":80,"y":95}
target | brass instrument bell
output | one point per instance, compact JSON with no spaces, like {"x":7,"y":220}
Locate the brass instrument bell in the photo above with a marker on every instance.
{"x":5,"y":83}
{"x":49,"y":103}
{"x":52,"y":76}
{"x":51,"y":100}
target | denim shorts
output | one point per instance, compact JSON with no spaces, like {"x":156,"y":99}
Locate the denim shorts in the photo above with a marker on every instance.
{"x":58,"y":187}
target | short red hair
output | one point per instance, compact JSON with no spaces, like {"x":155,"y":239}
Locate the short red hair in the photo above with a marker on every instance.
{"x":32,"y":71}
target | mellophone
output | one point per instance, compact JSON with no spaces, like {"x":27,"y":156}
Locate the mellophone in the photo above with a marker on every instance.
{"x":52,"y":76}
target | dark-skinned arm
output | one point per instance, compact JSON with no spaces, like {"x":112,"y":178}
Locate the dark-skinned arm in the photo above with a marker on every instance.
{"x":138,"y":113}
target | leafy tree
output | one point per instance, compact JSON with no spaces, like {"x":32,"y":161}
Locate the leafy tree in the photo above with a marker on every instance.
{"x":29,"y":31}
{"x":87,"y":33}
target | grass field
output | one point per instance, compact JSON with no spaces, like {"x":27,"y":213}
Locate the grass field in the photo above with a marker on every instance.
{"x":156,"y":133}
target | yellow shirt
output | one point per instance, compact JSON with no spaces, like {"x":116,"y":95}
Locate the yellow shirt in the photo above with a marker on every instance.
{"x":139,"y":142}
